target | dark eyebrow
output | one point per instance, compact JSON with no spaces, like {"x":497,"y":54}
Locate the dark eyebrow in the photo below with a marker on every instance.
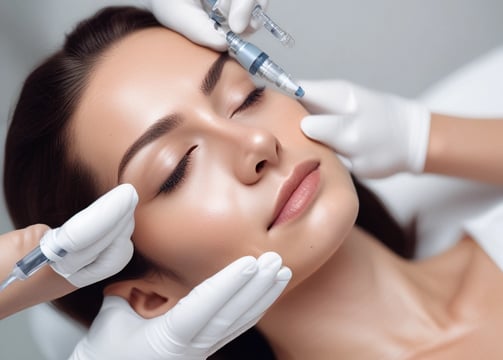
{"x":170,"y":122}
{"x":155,"y":131}
{"x":213,"y":74}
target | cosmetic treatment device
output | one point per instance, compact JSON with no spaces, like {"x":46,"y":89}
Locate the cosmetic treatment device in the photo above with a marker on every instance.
{"x":34,"y":261}
{"x":254,"y":60}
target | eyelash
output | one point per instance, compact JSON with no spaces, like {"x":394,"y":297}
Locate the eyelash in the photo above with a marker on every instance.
{"x":176,"y":178}
{"x":252,"y":99}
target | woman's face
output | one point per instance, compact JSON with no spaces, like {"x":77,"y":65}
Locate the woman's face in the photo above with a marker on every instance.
{"x":209,"y":155}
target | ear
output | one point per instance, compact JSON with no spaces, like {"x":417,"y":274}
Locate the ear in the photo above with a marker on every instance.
{"x":151,"y":296}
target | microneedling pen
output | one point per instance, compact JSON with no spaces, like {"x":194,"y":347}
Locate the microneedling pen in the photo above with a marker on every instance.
{"x":254,"y":60}
{"x":259,"y":63}
{"x":33,"y":262}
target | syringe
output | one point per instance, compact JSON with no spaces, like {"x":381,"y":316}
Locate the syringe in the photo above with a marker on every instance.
{"x":254,"y":60}
{"x":212,"y":7}
{"x":257,"y":62}
{"x":285,"y":38}
{"x":33,"y":261}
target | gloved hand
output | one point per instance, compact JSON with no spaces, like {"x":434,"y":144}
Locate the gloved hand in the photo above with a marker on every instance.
{"x":97,"y":239}
{"x":487,"y":229}
{"x":212,"y":314}
{"x":380,"y":134}
{"x":188,"y":18}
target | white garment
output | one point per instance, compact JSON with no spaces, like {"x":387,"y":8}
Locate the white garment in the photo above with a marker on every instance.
{"x":487,"y":230}
{"x":440,"y":205}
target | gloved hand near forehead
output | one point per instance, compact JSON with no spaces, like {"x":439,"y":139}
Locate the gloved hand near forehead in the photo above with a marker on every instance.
{"x":188,"y":18}
{"x":212,"y":314}
{"x":379,"y":134}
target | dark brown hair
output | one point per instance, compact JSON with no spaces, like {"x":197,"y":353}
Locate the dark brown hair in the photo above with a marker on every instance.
{"x":43,"y":183}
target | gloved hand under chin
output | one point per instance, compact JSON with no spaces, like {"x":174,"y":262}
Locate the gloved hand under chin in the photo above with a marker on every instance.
{"x":188,"y":18}
{"x":379,"y":134}
{"x":212,"y":314}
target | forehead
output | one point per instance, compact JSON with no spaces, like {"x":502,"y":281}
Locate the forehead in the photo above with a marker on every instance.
{"x":143,"y":77}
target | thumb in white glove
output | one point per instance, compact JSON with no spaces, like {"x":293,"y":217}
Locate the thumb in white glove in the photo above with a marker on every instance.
{"x":188,"y":18}
{"x":97,"y":239}
{"x":212,"y":314}
{"x":380,"y":134}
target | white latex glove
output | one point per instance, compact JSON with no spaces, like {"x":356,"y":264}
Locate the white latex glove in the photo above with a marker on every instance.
{"x":380,"y":134}
{"x":97,"y":239}
{"x":188,"y":18}
{"x":487,"y":229}
{"x":212,"y":314}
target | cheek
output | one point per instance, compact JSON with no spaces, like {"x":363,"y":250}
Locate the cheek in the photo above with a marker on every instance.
{"x":190,"y":247}
{"x":324,"y":230}
{"x":280,"y":115}
{"x":197,"y":238}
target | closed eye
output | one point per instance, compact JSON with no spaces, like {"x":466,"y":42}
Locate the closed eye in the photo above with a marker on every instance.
{"x":252,"y":99}
{"x":176,"y":178}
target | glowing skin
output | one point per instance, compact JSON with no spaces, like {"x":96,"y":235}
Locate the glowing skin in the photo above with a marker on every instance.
{"x":238,"y":163}
{"x":349,"y":296}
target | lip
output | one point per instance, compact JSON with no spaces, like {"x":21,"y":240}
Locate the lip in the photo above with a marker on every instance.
{"x":296,"y":192}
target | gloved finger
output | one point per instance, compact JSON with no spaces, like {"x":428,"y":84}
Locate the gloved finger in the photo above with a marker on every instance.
{"x":98,"y":219}
{"x":257,"y":310}
{"x":345,"y":161}
{"x":113,"y":259}
{"x":240,"y":14}
{"x":263,"y":3}
{"x":111,"y":330}
{"x":187,"y":318}
{"x":333,"y":131}
{"x":202,"y":31}
{"x":246,"y":298}
{"x":256,"y":22}
{"x":73,"y":262}
{"x":328,"y":97}
{"x":324,"y":128}
{"x":116,"y":313}
{"x":189,"y":19}
{"x":251,"y":295}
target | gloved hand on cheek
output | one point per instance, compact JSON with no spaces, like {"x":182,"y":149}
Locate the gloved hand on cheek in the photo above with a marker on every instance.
{"x":379,"y":134}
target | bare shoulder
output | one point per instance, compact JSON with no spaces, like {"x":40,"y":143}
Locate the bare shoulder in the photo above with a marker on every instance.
{"x":476,"y":305}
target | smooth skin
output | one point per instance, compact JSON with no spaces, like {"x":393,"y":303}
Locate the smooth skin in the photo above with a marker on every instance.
{"x":349,"y":297}
{"x":215,"y":209}
{"x":207,"y":312}
{"x":43,"y":286}
{"x":466,"y":147}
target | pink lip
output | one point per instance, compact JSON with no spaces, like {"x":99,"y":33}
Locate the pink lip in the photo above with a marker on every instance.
{"x":296,"y":192}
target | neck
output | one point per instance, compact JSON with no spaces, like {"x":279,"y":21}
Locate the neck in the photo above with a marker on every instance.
{"x":363,"y":289}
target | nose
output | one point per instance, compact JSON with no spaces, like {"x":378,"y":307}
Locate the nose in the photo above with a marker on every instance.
{"x":253,"y":151}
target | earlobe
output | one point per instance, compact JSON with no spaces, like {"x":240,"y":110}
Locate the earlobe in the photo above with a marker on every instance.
{"x":147,"y":298}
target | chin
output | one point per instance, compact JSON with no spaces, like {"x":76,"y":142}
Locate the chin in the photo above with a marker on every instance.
{"x":320,"y":234}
